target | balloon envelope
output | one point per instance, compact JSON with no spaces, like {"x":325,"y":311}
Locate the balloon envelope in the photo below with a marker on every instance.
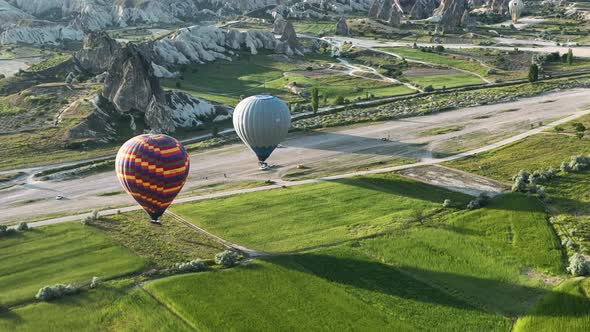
{"x":153,"y":170}
{"x":515,"y":7}
{"x":262,"y":122}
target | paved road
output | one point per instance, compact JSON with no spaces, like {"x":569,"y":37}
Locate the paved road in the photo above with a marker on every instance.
{"x":479,"y":129}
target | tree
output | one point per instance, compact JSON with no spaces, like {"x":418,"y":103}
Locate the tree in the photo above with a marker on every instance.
{"x":534,"y":73}
{"x":315,"y":99}
{"x":580,"y":134}
{"x":570,"y":57}
{"x":227,"y":258}
{"x":579,"y":127}
{"x":578,"y":266}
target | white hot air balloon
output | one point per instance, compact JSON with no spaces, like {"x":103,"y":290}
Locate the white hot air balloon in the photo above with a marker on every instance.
{"x":515,"y":7}
{"x":262,"y":122}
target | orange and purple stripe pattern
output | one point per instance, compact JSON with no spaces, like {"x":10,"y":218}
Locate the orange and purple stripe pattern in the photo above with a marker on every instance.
{"x":153,"y":170}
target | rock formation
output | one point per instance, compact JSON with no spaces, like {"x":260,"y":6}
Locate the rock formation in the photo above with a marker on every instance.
{"x":450,"y":13}
{"x":290,"y":43}
{"x":342,"y":28}
{"x":279,"y":25}
{"x":386,"y":10}
{"x":97,"y":52}
{"x":468,"y":21}
{"x":499,"y":6}
{"x":423,"y":9}
{"x":133,"y":89}
{"x":203,"y":44}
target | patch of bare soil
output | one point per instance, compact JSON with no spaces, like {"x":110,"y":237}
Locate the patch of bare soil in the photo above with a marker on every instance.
{"x":455,"y":180}
{"x":545,"y":278}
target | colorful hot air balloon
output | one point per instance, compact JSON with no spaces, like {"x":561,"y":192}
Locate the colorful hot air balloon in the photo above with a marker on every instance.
{"x":153,"y":170}
{"x":262,"y":122}
{"x":515,"y":7}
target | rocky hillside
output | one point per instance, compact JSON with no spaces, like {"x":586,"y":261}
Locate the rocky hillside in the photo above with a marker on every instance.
{"x":56,"y":21}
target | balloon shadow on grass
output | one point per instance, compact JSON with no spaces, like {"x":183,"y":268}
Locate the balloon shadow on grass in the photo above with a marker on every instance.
{"x":431,"y":287}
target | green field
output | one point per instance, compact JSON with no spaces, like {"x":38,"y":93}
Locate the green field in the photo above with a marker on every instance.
{"x":463,"y":271}
{"x":333,"y":290}
{"x":67,"y":253}
{"x":343,"y":210}
{"x":535,"y":152}
{"x":566,"y":309}
{"x":446,"y":81}
{"x":115,"y":306}
{"x":227,"y":81}
{"x":315,"y":27}
{"x":439,"y":59}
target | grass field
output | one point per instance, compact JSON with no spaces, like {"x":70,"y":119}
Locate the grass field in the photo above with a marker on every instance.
{"x":161,"y":246}
{"x":329,"y":291}
{"x":566,"y":309}
{"x":68,"y":253}
{"x":480,"y":256}
{"x":446,"y":81}
{"x":114,"y":306}
{"x":535,"y":152}
{"x":343,"y":210}
{"x":315,"y":27}
{"x":227,"y":81}
{"x":439,"y":59}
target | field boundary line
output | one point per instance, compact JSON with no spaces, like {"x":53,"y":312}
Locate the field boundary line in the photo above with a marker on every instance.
{"x":162,"y":304}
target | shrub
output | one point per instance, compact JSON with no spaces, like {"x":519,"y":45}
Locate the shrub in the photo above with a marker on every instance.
{"x":473,"y":205}
{"x":95,"y":282}
{"x":339,"y":100}
{"x":481,"y":201}
{"x":5,"y":230}
{"x":196,"y":265}
{"x":23,"y":226}
{"x":49,"y":293}
{"x":227,"y":258}
{"x":534,"y":73}
{"x":578,"y":265}
{"x":565,"y":167}
{"x":429,"y":88}
{"x":91,"y":219}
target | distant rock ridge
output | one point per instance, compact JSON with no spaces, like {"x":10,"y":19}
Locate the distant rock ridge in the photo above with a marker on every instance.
{"x":388,"y":11}
{"x":450,"y":13}
{"x":424,"y":9}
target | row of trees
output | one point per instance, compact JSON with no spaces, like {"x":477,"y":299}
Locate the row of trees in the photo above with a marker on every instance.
{"x":535,"y":69}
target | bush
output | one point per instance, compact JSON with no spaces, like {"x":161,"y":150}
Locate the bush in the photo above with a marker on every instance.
{"x":481,"y":201}
{"x":95,"y":282}
{"x":23,"y":226}
{"x":5,"y":230}
{"x":227,"y":258}
{"x":339,"y":100}
{"x":578,"y":265}
{"x":196,"y":265}
{"x":49,"y":293}
{"x":91,"y":219}
{"x":428,"y":88}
